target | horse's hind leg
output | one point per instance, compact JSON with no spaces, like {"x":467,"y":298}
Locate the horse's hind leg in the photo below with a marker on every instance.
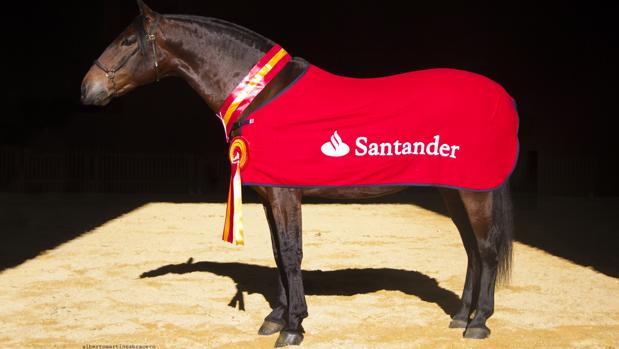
{"x":283,"y":211}
{"x":460,"y":218}
{"x":492,"y":244}
{"x":493,"y":238}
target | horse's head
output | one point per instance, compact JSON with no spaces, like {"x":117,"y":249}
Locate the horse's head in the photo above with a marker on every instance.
{"x":131,"y":60}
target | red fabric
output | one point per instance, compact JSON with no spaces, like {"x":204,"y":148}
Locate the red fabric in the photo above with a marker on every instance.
{"x":471,"y":114}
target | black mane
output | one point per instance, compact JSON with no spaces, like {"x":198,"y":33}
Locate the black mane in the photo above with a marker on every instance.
{"x":238,"y":32}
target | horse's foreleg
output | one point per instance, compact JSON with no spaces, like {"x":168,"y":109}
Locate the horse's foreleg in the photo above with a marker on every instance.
{"x":460,"y":218}
{"x":478,"y":206}
{"x":275,"y":321}
{"x":283,"y":209}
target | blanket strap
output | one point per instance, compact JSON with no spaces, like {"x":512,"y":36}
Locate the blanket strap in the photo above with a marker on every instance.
{"x":233,"y":227}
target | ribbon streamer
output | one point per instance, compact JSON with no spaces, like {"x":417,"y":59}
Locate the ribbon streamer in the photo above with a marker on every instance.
{"x":233,"y":227}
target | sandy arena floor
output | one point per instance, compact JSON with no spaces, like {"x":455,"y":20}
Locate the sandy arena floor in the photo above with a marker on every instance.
{"x":377,"y":276}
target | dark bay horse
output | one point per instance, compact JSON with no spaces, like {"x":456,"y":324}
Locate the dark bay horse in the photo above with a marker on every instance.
{"x":212,"y":56}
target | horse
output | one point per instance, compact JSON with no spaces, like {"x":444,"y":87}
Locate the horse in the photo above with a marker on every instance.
{"x":210,"y":54}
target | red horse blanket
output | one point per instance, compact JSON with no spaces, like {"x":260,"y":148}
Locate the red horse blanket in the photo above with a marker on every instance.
{"x":440,"y":127}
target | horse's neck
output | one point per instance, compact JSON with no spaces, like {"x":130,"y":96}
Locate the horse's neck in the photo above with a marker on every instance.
{"x":212,"y":61}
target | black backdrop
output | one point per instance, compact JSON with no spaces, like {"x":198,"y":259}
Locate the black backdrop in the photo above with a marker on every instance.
{"x":556,"y":61}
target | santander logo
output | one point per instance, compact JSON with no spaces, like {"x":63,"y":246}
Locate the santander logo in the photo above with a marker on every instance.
{"x":365,"y":147}
{"x":336,"y":147}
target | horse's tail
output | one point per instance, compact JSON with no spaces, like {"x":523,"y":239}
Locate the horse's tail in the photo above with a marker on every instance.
{"x":502,"y":231}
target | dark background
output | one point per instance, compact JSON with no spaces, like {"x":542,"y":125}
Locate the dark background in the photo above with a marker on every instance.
{"x":557,"y":61}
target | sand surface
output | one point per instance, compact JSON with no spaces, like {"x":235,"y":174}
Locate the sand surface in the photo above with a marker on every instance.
{"x":376,"y":275}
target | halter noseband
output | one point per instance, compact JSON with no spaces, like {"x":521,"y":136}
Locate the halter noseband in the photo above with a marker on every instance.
{"x":151,"y":37}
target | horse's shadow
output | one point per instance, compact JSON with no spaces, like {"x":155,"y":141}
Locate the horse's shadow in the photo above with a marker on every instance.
{"x":253,"y":278}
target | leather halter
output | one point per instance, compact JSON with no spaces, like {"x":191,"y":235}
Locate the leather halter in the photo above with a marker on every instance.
{"x":151,"y":37}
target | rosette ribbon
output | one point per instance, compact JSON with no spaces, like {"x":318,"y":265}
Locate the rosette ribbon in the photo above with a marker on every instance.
{"x":233,"y":227}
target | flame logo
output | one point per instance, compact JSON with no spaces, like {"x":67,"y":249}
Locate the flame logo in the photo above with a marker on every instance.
{"x":335,"y":147}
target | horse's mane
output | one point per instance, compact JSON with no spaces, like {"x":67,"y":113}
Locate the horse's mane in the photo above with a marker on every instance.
{"x":238,"y":32}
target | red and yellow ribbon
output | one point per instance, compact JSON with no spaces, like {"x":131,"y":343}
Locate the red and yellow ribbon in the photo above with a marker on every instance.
{"x":239,"y":99}
{"x":251,"y":85}
{"x":233,"y":228}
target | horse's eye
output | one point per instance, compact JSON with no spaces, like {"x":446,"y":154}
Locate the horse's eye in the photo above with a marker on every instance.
{"x":129,"y":41}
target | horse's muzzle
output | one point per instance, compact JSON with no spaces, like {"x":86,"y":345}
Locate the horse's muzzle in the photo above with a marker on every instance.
{"x":94,"y":94}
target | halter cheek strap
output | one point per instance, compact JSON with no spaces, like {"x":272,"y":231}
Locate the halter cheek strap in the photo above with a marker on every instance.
{"x":251,"y":85}
{"x":152,"y":38}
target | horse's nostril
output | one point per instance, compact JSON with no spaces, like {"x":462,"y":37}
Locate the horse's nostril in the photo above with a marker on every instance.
{"x":84,"y":89}
{"x":84,"y":95}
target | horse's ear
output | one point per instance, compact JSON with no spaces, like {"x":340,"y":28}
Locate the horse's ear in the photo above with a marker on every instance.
{"x":145,"y":10}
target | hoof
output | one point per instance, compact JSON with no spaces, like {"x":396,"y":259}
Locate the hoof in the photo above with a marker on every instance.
{"x":269,"y":327}
{"x":288,"y":338}
{"x":455,"y":323}
{"x":477,"y":333}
